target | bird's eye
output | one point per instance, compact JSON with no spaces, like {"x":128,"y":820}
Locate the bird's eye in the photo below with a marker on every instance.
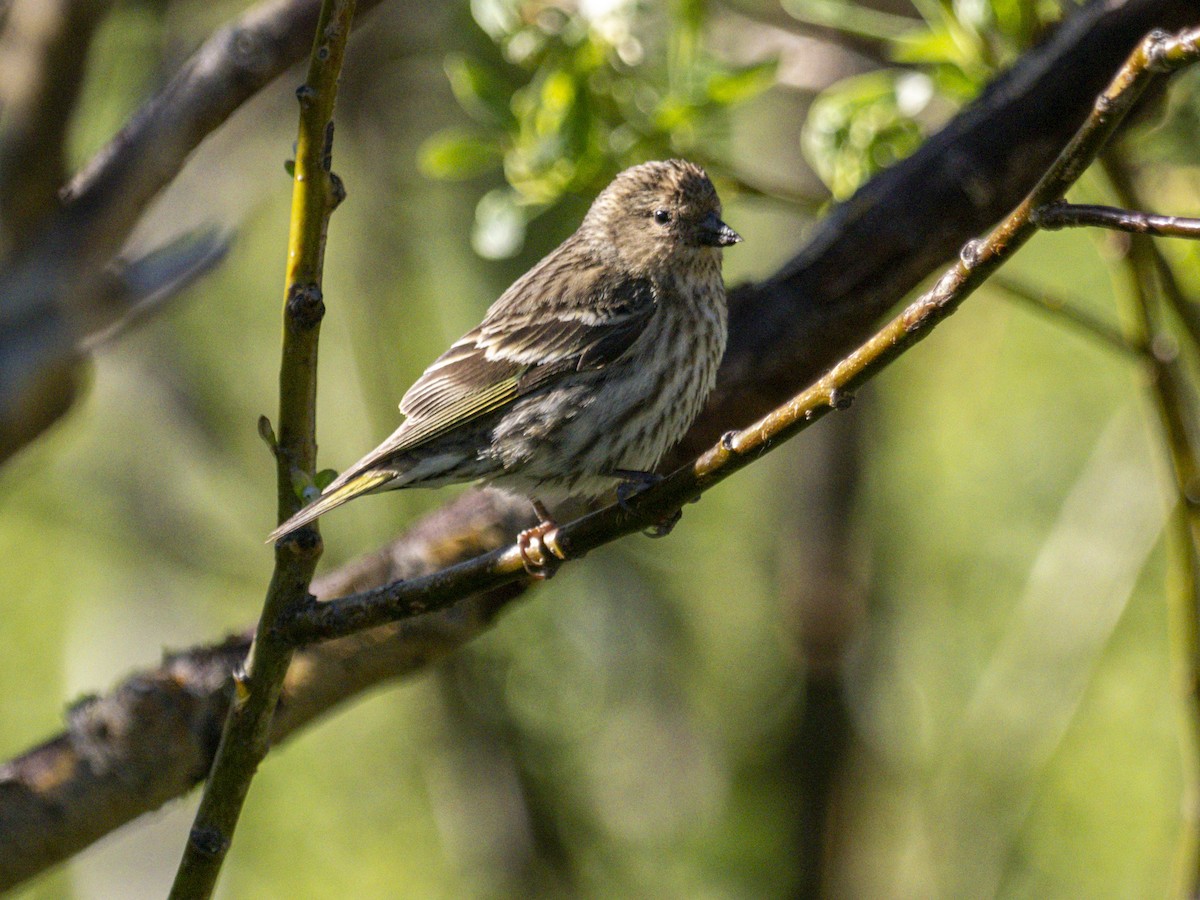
{"x":662,"y":216}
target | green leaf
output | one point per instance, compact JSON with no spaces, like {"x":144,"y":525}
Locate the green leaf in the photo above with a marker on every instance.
{"x":482,"y":92}
{"x":555,"y":101}
{"x":456,"y":155}
{"x":727,"y":88}
{"x":860,"y":126}
{"x":497,"y":17}
{"x":849,"y":18}
{"x":499,"y":225}
{"x":934,"y":45}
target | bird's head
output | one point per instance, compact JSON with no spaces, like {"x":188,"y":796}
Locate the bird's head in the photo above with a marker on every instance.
{"x":660,"y":215}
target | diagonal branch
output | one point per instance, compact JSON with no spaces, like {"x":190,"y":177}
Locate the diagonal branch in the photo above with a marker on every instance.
{"x":105,"y":198}
{"x":152,"y":738}
{"x":911,"y":219}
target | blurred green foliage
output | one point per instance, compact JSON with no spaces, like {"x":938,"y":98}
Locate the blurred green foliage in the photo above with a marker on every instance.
{"x":943,"y":56}
{"x":862,"y":125}
{"x":564,"y":97}
{"x":631,"y":729}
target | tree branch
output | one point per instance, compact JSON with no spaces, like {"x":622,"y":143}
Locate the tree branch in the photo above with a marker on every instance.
{"x":45,"y":49}
{"x":152,"y":738}
{"x":316,"y":194}
{"x":1185,"y":307}
{"x":1175,"y":405}
{"x":55,"y":291}
{"x":1083,"y":215}
{"x":910,"y":219}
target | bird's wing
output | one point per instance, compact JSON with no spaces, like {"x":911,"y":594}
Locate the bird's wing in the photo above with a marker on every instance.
{"x":512,"y":353}
{"x":583,"y":320}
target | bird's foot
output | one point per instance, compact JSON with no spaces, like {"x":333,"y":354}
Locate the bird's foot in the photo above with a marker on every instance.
{"x":632,"y":484}
{"x":665,"y":525}
{"x":540,"y":550}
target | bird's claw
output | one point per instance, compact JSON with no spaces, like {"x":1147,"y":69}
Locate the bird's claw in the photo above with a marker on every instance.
{"x":632,"y":484}
{"x":665,"y":525}
{"x":540,"y":550}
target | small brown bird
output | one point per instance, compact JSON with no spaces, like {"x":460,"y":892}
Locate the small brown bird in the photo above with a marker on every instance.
{"x":584,"y":372}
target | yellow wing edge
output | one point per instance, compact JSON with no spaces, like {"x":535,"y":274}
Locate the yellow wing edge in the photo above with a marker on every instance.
{"x":355,"y":487}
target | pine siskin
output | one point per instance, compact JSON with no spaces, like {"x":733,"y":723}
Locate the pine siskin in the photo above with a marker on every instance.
{"x":584,"y":372}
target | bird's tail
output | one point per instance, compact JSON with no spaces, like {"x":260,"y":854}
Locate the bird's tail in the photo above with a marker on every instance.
{"x":335,"y":495}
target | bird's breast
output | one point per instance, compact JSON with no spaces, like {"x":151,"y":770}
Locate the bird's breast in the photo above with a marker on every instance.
{"x":565,"y":440}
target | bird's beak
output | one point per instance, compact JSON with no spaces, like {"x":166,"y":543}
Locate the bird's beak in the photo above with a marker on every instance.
{"x":715,"y":233}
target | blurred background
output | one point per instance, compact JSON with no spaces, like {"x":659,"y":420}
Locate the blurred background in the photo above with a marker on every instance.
{"x":922,"y":650}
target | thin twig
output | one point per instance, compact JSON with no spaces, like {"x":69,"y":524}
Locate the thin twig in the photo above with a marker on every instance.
{"x":1042,"y":300}
{"x":1176,"y":404}
{"x":1187,"y":308}
{"x":149,"y":739}
{"x":1170,"y":392}
{"x":1157,"y":54}
{"x":316,"y":193}
{"x":1083,"y":215}
{"x":859,"y":260}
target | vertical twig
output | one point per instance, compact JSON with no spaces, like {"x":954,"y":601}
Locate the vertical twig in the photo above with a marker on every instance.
{"x":1171,"y":395}
{"x":1147,"y":254}
{"x":316,"y":193}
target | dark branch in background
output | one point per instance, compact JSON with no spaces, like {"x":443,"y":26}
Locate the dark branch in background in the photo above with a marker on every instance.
{"x":153,"y":737}
{"x":1175,"y":401}
{"x":59,"y":289}
{"x":45,"y":47}
{"x":1170,"y":379}
{"x":61,"y":796}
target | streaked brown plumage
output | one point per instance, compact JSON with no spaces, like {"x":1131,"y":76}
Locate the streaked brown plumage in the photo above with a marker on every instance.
{"x":585,"y":371}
